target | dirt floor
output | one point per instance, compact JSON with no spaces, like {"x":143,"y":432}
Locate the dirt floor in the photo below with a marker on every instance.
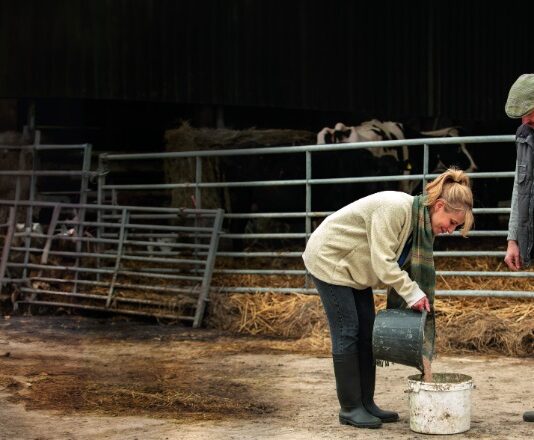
{"x":88,"y":378}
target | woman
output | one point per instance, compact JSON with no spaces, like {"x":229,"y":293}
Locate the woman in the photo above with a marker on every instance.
{"x":367,"y":243}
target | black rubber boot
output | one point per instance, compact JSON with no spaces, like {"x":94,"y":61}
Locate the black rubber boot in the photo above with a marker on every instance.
{"x":349,"y":393}
{"x":366,"y":317}
{"x":368,"y":380}
{"x":528,"y":416}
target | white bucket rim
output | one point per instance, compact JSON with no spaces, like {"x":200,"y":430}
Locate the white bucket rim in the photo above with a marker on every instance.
{"x":462,"y":382}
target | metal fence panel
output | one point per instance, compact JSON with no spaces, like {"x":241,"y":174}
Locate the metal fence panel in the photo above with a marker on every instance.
{"x":139,"y":266}
{"x":303,"y":219}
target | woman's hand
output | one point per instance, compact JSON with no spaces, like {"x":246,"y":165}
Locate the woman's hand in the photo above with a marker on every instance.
{"x":421,"y":305}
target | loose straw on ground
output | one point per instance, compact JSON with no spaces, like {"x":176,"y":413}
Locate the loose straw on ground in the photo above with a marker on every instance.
{"x":464,"y":324}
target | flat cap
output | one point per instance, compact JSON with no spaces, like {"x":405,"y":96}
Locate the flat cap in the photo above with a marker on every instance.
{"x":520,"y":100}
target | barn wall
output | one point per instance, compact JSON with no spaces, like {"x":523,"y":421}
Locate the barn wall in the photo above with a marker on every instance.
{"x":390,"y":59}
{"x":480,"y":49}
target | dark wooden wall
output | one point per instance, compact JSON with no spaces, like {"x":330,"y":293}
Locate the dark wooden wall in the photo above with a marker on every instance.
{"x":392,"y":59}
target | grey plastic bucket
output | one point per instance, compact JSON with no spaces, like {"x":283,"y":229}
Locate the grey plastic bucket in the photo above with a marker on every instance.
{"x":403,"y":336}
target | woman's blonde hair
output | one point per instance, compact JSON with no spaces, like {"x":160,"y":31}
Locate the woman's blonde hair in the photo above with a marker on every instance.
{"x":454,"y":188}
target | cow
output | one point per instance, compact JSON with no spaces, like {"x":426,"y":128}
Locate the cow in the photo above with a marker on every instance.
{"x":409,"y":161}
{"x":369,"y":131}
{"x":387,"y":158}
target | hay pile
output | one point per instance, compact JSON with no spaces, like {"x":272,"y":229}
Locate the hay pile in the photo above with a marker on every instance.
{"x":486,"y":325}
{"x":464,"y":324}
{"x":483,"y":325}
{"x":187,"y":138}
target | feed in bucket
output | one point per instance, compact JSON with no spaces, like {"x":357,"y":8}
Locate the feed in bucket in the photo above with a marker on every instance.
{"x":427,"y":370}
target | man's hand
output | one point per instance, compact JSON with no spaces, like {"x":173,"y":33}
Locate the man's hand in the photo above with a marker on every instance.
{"x":421,"y":305}
{"x":512,"y":258}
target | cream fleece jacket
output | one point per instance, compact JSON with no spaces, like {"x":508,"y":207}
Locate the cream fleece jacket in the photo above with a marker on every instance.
{"x":359,"y":245}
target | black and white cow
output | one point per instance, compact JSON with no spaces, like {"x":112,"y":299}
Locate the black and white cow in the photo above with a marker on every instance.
{"x":409,"y":160}
{"x":391,"y":159}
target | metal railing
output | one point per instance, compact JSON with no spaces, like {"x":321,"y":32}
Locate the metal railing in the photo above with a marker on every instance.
{"x":297,"y":238}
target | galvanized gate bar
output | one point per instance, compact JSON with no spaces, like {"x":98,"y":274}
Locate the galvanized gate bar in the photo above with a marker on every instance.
{"x":18,"y":180}
{"x":311,"y":148}
{"x":71,"y":269}
{"x":210,"y":263}
{"x":122,"y":236}
{"x":84,"y":187}
{"x":104,"y":284}
{"x":104,"y":309}
{"x":50,"y":233}
{"x":131,"y":208}
{"x":7,"y":244}
{"x":87,"y":295}
{"x":300,"y":182}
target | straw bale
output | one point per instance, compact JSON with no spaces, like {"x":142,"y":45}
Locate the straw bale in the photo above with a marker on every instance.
{"x":187,"y":138}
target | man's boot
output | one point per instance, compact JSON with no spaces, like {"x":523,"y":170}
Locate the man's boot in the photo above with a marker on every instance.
{"x":349,"y":393}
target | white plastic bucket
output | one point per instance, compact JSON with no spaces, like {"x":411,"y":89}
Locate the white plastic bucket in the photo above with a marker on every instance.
{"x":442,"y":406}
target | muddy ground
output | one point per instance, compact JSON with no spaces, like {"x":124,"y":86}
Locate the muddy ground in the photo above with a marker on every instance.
{"x":88,"y":378}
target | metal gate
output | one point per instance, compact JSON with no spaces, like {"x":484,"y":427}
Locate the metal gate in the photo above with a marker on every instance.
{"x":135,"y":260}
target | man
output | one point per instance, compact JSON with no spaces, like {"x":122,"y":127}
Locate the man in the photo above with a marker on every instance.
{"x":520,"y":104}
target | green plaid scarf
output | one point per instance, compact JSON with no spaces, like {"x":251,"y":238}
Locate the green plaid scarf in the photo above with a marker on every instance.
{"x":420,"y":267}
{"x":421,"y":264}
